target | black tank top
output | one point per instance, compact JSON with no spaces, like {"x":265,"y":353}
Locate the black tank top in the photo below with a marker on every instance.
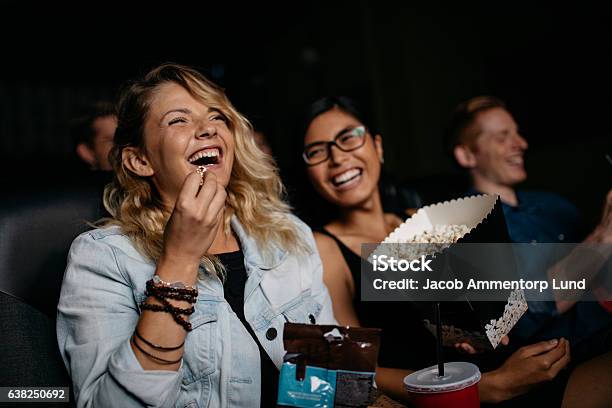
{"x":233,"y":289}
{"x":405,"y":342}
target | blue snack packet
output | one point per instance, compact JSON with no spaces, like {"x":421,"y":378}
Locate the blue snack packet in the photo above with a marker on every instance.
{"x":328,"y":366}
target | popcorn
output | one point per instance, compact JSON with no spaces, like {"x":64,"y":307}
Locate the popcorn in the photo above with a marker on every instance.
{"x":431,"y":241}
{"x":440,"y":234}
{"x":201,"y":170}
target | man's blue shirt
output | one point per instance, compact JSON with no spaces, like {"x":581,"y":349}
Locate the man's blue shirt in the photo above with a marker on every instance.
{"x":541,"y":217}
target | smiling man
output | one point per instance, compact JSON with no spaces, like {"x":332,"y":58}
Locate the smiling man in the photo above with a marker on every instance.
{"x":484,"y":139}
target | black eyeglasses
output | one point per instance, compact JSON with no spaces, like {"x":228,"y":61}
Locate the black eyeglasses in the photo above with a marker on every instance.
{"x":349,"y":140}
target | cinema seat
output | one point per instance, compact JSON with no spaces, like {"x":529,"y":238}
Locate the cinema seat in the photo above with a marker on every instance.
{"x":36,"y":230}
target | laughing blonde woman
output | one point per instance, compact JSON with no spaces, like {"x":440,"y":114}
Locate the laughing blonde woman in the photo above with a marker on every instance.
{"x":181,"y":297}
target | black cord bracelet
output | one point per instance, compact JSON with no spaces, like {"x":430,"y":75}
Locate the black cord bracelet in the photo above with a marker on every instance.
{"x":154,"y":358}
{"x":155,"y":346}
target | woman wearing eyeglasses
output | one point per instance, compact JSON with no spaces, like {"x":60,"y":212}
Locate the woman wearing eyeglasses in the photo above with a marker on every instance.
{"x":343,"y":157}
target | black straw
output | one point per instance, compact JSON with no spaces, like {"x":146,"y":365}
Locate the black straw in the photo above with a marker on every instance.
{"x":439,"y":341}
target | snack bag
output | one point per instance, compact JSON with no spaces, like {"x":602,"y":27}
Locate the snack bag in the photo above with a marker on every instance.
{"x":328,"y":366}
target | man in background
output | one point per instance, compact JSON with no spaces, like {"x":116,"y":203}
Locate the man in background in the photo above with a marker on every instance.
{"x":484,"y":139}
{"x":92,"y":133}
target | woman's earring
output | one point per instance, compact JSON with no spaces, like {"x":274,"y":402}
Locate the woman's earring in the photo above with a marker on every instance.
{"x":382,"y":160}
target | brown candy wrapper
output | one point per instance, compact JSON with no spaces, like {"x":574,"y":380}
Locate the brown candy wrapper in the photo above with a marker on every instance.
{"x":328,"y":366}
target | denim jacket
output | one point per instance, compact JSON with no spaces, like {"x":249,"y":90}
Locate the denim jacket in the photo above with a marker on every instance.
{"x":98,"y":310}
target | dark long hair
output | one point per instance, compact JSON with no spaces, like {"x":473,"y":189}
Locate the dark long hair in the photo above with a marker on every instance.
{"x":344,"y":103}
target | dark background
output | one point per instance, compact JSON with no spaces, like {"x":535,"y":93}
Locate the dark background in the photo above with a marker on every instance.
{"x":410,"y":64}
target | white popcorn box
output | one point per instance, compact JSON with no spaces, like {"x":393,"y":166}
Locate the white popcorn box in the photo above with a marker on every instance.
{"x":482,"y":214}
{"x":484,"y":222}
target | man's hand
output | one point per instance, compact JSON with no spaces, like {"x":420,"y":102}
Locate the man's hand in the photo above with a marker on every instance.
{"x":531,"y":365}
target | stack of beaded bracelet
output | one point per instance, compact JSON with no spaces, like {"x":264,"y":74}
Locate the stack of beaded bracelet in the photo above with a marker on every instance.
{"x":162,"y":291}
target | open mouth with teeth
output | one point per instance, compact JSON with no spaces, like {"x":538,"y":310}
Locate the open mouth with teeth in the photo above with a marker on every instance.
{"x":206,"y":157}
{"x":515,"y":161}
{"x":346,"y":177}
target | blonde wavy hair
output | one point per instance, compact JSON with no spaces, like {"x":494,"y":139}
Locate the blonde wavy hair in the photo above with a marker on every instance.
{"x":254,"y":193}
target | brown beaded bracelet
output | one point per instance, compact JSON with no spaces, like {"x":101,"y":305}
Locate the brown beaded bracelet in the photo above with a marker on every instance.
{"x":174,"y":311}
{"x":162,"y":291}
{"x":164,"y":308}
{"x":170,"y":308}
{"x":156,"y":359}
{"x":170,"y":295}
{"x":162,"y":286}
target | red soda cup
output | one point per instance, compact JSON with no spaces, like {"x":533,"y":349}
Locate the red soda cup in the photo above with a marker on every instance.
{"x":458,"y":388}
